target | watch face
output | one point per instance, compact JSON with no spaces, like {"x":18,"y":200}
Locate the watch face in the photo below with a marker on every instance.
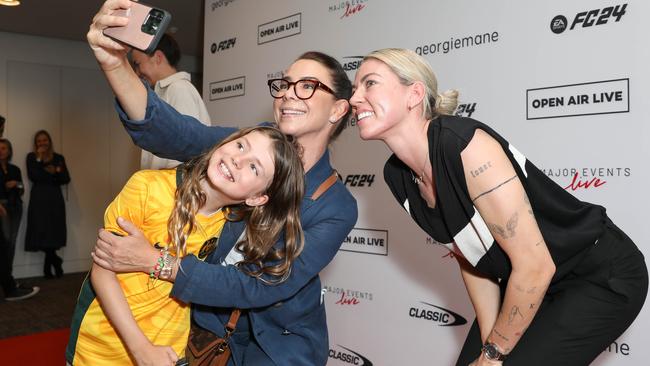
{"x":492,"y":353}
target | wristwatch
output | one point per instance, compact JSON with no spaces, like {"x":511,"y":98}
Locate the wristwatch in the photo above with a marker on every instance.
{"x":492,"y":353}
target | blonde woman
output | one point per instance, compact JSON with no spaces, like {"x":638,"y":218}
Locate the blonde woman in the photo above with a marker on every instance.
{"x":46,"y":227}
{"x":551,"y":278}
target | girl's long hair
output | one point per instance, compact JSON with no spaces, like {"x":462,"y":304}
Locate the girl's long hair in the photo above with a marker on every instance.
{"x":264,"y":224}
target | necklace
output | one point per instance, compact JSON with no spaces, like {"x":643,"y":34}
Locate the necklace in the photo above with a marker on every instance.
{"x":419,"y":178}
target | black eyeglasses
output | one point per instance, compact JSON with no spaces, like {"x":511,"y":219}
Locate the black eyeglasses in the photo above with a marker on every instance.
{"x":304,"y":88}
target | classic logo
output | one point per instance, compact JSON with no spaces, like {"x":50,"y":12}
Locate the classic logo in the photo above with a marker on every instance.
{"x":573,"y":179}
{"x":589,"y":18}
{"x":349,"y":356}
{"x":223,"y":45}
{"x":443,"y":317}
{"x":466,"y":109}
{"x":348,"y":7}
{"x":359,"y":180}
{"x":229,"y":88}
{"x":217,"y":4}
{"x":278,"y":29}
{"x":596,"y":97}
{"x":348,"y":296}
{"x":452,"y":43}
{"x":351,"y":63}
{"x":369,"y":241}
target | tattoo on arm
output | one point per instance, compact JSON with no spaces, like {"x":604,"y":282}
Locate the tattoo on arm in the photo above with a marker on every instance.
{"x":514,"y":313}
{"x":481,"y":169}
{"x":500,"y":335}
{"x":530,"y":290}
{"x":509,"y":230}
{"x":530,"y":208}
{"x":495,"y":188}
{"x":519,"y":288}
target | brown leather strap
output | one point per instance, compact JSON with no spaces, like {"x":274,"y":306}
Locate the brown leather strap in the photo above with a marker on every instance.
{"x":325,"y":185}
{"x":232,"y":322}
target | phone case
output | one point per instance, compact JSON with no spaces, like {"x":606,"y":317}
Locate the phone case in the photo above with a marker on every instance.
{"x":133,"y":34}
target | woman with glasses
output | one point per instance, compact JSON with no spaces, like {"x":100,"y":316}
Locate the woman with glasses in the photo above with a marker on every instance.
{"x":281,"y":323}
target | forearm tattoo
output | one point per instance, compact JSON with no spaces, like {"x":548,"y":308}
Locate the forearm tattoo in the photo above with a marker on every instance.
{"x":530,"y":208}
{"x":495,"y":188}
{"x":514,"y":314}
{"x":500,"y":335}
{"x":509,"y":230}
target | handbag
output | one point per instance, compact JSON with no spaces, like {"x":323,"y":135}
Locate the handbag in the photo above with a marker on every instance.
{"x":204,"y":348}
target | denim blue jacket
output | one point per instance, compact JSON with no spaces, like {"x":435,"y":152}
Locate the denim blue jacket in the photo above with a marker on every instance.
{"x":287,"y":320}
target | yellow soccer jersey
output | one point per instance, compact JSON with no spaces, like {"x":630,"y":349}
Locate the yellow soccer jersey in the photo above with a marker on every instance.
{"x":146,"y":200}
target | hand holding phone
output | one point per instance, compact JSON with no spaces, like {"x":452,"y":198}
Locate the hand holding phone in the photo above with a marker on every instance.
{"x":145,"y":28}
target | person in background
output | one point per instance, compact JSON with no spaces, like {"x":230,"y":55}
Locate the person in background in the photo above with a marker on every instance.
{"x":11,"y":191}
{"x":13,"y":291}
{"x":2,"y":125}
{"x":46,"y":225}
{"x":159,"y":70}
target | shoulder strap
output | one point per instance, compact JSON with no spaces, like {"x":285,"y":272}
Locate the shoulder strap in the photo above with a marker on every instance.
{"x":327,"y":183}
{"x":232,"y":322}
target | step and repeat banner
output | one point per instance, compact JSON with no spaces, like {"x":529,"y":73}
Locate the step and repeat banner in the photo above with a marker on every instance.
{"x":565,"y":82}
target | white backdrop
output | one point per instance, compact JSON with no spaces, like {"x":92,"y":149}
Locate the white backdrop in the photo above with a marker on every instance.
{"x":563,"y":81}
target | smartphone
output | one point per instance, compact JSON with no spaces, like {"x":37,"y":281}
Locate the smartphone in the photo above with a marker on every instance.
{"x":146,"y":26}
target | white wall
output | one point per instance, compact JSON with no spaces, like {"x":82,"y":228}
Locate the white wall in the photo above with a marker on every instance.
{"x":56,"y":85}
{"x":380,"y":285}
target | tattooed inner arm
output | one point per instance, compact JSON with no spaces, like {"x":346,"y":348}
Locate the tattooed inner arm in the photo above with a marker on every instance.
{"x":501,"y":201}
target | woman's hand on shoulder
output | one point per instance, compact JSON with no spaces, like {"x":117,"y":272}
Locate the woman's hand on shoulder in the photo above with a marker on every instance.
{"x":130,"y":253}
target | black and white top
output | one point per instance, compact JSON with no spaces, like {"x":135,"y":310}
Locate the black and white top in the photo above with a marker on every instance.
{"x":568,"y":225}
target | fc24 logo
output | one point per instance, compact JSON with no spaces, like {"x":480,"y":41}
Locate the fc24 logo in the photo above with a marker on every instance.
{"x":589,"y":18}
{"x":359,"y":180}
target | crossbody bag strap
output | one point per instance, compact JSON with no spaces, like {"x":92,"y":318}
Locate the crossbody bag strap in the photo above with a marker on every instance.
{"x":327,"y":183}
{"x":232,"y":322}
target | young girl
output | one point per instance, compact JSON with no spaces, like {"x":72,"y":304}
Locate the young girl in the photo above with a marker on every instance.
{"x":124,"y":319}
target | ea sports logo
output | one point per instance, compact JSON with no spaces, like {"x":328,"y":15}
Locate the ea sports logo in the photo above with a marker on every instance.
{"x":558,"y":24}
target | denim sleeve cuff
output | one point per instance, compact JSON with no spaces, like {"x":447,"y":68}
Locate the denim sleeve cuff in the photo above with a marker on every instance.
{"x":182,"y":288}
{"x":141,"y":125}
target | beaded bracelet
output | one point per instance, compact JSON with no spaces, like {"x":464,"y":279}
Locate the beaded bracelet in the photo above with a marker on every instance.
{"x":160,"y":263}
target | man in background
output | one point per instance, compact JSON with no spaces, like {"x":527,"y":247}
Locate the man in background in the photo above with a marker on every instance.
{"x":174,"y":87}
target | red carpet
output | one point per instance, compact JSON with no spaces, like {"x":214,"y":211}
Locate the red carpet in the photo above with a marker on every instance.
{"x":40,"y":349}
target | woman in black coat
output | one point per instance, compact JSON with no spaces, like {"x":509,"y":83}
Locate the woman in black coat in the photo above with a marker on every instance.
{"x":46,"y":228}
{"x":11,"y":191}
